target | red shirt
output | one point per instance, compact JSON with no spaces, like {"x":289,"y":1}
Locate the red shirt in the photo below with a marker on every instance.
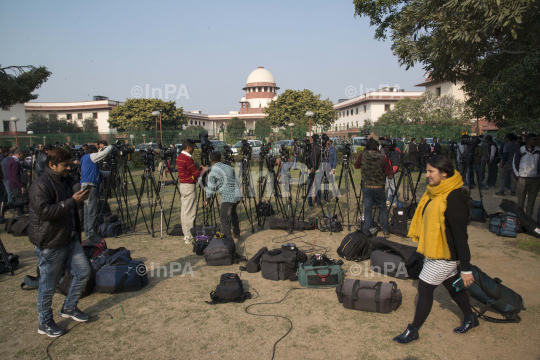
{"x":187,"y":172}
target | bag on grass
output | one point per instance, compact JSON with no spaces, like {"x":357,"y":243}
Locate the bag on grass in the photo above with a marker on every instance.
{"x":65,"y":283}
{"x":356,"y":246}
{"x":115,"y":272}
{"x":200,"y":242}
{"x":202,"y":230}
{"x":328,"y":223}
{"x":526,"y":221}
{"x":222,"y":251}
{"x":369,"y":295}
{"x":264,"y":209}
{"x":176,"y":230}
{"x":253,"y":265}
{"x":320,"y":271}
{"x":281,"y":264}
{"x":229,"y":289}
{"x":20,"y":227}
{"x":389,"y":263}
{"x":495,"y":296}
{"x":505,"y":225}
{"x":478,"y":212}
{"x":94,"y":246}
{"x":13,"y":260}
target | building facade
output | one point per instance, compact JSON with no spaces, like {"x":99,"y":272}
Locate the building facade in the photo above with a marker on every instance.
{"x":8,"y":126}
{"x":78,"y":111}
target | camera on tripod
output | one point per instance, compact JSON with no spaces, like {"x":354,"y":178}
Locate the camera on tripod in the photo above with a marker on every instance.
{"x":121,"y":149}
{"x":164,"y":154}
{"x":346,"y":152}
{"x":270,"y":161}
{"x":324,"y":140}
{"x":387,"y":144}
{"x":284,"y":152}
{"x":471,"y":141}
{"x":265,"y":150}
{"x":33,"y":150}
{"x":206,"y":145}
{"x":246,"y":149}
{"x":148,"y":157}
{"x":228,"y":155}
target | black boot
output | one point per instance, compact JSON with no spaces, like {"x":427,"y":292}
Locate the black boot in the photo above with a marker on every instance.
{"x":408,"y":336}
{"x":469,"y":323}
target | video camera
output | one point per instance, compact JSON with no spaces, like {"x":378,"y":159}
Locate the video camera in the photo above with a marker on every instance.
{"x":324,"y":140}
{"x":284,"y":152}
{"x":265,"y":150}
{"x":206,"y":145}
{"x":387,"y":144}
{"x":246,"y":149}
{"x":228,"y":154}
{"x":122,"y":149}
{"x":164,"y":154}
{"x":471,"y":141}
{"x":346,"y":152}
{"x":33,"y":150}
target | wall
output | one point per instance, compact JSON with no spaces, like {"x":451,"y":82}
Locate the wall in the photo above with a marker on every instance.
{"x":15,"y":110}
{"x":447,"y":88}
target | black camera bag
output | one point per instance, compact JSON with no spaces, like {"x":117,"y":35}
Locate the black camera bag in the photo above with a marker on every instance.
{"x":176,"y":230}
{"x":253,"y":265}
{"x":229,"y":289}
{"x":281,"y":264}
{"x":264,"y":209}
{"x":356,"y":246}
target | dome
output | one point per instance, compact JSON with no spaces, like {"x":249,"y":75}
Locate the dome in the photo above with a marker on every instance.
{"x":243,"y":99}
{"x":260,"y":75}
{"x":275,"y":98}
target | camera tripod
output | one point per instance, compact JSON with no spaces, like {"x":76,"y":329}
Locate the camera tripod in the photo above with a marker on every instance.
{"x":409,"y":186}
{"x":276,"y":192}
{"x":346,"y":168}
{"x":245,"y":171}
{"x":165,"y":166}
{"x":150,"y":184}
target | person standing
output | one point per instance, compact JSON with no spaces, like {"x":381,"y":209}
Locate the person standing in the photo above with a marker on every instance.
{"x":423,"y":150}
{"x":222,"y":179}
{"x":188,"y":175}
{"x":315,"y":174}
{"x":493,"y":158}
{"x":509,"y":150}
{"x":526,"y":167}
{"x":485,"y":159}
{"x":463,"y":158}
{"x":375,"y":170}
{"x":92,"y":177}
{"x":3,"y":191}
{"x":391,"y":183}
{"x":5,"y":161}
{"x":173,"y":155}
{"x":413,"y":151}
{"x":439,"y":226}
{"x":16,"y":168}
{"x":295,"y":151}
{"x":41,"y":159}
{"x":436,"y":148}
{"x":54,"y":230}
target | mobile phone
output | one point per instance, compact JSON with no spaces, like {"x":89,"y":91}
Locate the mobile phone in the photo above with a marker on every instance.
{"x":86,"y":186}
{"x":458,"y":284}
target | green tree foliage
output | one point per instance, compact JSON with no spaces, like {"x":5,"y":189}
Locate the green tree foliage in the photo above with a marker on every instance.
{"x":429,"y":109}
{"x":41,"y":124}
{"x":192,"y":132}
{"x":235,"y":129}
{"x":291,"y":107}
{"x":136,"y":115}
{"x":492,"y":46}
{"x":263,"y":128}
{"x":89,"y":125}
{"x":18,"y":82}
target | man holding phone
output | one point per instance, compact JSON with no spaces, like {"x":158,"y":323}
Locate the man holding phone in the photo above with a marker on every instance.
{"x":91,"y":178}
{"x":54,"y":230}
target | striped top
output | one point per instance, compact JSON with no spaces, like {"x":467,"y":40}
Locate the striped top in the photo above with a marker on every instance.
{"x":222,"y":179}
{"x":435,"y":272}
{"x":187,"y":172}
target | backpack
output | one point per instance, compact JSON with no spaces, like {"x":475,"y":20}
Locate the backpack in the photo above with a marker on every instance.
{"x":478,"y":212}
{"x":177,"y":230}
{"x":222,"y":251}
{"x":110,"y":230}
{"x":200,"y":243}
{"x":356,"y":246}
{"x":116,"y":272}
{"x":506,"y":224}
{"x":282,"y":264}
{"x":229,"y":289}
{"x":327,"y":222}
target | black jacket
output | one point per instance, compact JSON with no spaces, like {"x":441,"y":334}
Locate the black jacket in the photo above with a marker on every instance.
{"x":437,"y":149}
{"x":40,"y":163}
{"x":316,"y":155}
{"x":50,"y":205}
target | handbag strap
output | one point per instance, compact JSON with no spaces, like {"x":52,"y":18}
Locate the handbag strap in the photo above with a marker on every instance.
{"x":378,"y":286}
{"x":118,"y":287}
{"x":354,"y":290}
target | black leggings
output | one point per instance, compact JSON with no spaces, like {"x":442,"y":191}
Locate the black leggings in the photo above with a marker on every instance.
{"x":425,"y":300}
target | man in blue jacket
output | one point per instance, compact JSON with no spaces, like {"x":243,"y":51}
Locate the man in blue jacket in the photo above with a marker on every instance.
{"x":92,"y":177}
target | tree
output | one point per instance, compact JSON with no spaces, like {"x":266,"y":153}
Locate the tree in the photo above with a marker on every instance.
{"x":366,"y":128}
{"x":18,"y":82}
{"x":263,"y":128}
{"x":235,"y":129}
{"x":89,"y":125}
{"x":41,"y":124}
{"x":428,"y":109}
{"x":492,"y":46}
{"x":136,"y":115}
{"x":291,"y":107}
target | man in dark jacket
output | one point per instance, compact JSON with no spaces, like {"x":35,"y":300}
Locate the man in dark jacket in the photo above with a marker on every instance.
{"x":316,"y":161}
{"x":42,"y":157}
{"x":16,"y":168}
{"x":54,"y":230}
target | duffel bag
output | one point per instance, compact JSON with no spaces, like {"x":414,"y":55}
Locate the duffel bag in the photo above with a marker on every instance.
{"x":94,"y":246}
{"x":369,"y":295}
{"x":229,"y":289}
{"x":276,"y":223}
{"x":495,"y":296}
{"x":202,"y":230}
{"x":176,"y":230}
{"x":356,"y":246}
{"x":222,"y":251}
{"x":200,"y":242}
{"x":320,"y":271}
{"x":9,"y":223}
{"x":65,"y":283}
{"x":281,"y":264}
{"x":389,"y":263}
{"x":253,"y":265}
{"x":115,"y":272}
{"x":20,"y":228}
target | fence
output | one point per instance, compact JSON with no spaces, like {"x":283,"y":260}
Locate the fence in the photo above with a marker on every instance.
{"x":448,"y":133}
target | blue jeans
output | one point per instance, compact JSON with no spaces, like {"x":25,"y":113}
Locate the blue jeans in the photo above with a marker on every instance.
{"x":285,"y":167}
{"x":391,"y":188}
{"x":375,"y":197}
{"x":50,"y":263}
{"x":295,"y":158}
{"x":8,"y":190}
{"x":90,"y":212}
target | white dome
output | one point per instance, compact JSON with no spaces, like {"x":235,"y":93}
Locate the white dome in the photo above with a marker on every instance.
{"x":275,"y":98}
{"x":243,"y":99}
{"x":260,"y":75}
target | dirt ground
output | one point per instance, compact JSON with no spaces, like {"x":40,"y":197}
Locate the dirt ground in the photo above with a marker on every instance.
{"x":170,"y":319}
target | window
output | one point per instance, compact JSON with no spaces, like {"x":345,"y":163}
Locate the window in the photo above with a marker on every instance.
{"x":191,"y":122}
{"x":347,"y":112}
{"x":356,"y":111}
{"x":79,"y":116}
{"x":357,"y":124}
{"x":260,"y":89}
{"x":386,"y":107}
{"x":5,"y":107}
{"x":438,"y":91}
{"x":68,"y":116}
{"x":365,"y":108}
{"x":94,"y":115}
{"x":203,"y":123}
{"x":6,"y":126}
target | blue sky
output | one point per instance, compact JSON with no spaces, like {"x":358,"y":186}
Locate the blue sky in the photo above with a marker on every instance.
{"x":209,"y":47}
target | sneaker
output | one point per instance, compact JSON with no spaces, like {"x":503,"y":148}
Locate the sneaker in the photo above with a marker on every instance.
{"x":500,"y":193}
{"x":188,"y":241}
{"x":75,"y":314}
{"x":50,"y":329}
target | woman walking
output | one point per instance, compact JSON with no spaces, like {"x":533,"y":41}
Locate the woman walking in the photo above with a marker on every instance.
{"x":440,"y":228}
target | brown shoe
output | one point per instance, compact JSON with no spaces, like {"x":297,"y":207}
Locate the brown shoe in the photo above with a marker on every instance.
{"x":386,"y":234}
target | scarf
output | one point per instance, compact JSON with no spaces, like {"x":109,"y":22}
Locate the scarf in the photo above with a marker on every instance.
{"x":427,"y":227}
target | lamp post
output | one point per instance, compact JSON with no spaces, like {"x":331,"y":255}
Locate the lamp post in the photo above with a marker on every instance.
{"x":222,"y":129}
{"x":131,"y":137}
{"x":291,"y":126}
{"x":156,"y":114}
{"x":310,"y":114}
{"x":44,"y":140}
{"x":144,"y":138}
{"x":15,"y":119}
